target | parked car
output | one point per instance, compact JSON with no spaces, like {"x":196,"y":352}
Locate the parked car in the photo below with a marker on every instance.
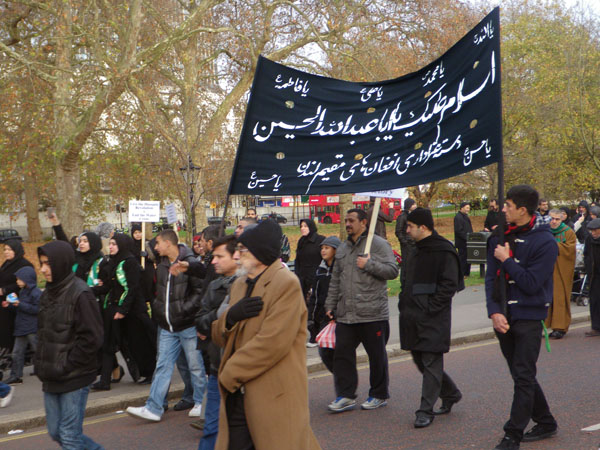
{"x":277,"y":217}
{"x":216,"y":220}
{"x":8,"y":233}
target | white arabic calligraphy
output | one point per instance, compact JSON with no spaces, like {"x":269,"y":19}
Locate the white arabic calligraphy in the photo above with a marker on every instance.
{"x":487,"y":32}
{"x":433,"y":75}
{"x":298,"y":84}
{"x":368,"y":92}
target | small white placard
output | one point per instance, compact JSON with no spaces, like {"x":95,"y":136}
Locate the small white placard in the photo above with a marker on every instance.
{"x":144,"y":211}
{"x":391,"y":193}
{"x":171,"y":213}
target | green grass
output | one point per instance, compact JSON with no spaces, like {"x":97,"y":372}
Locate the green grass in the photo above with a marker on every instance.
{"x":394,"y":285}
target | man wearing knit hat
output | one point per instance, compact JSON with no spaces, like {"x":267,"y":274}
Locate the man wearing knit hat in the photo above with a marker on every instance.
{"x":432,"y":279}
{"x":262,"y":376}
{"x":358,"y":300}
{"x":462,"y":227}
{"x":407,"y":245}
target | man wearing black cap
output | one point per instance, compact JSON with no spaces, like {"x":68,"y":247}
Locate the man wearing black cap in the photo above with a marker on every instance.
{"x":433,"y":277}
{"x":262,"y":376}
{"x":462,"y":227}
{"x":407,"y":244}
{"x":591,"y":255}
{"x":69,"y":337}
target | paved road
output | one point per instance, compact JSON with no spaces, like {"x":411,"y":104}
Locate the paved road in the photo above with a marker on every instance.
{"x":568,"y":376}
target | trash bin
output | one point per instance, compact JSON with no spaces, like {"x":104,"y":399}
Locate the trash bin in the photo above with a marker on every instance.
{"x":476,"y":247}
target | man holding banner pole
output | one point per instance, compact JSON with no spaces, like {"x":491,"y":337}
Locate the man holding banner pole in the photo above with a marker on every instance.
{"x":358,"y":301}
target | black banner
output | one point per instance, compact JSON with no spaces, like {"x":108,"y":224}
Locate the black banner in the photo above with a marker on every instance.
{"x":307,"y":134}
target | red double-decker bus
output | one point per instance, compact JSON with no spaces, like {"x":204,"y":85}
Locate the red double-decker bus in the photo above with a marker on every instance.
{"x":326,"y":208}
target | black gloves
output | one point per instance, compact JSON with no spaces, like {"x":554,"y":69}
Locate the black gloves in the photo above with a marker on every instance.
{"x":244,"y":309}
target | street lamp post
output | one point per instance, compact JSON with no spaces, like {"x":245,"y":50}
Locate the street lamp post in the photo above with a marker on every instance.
{"x":188,"y":173}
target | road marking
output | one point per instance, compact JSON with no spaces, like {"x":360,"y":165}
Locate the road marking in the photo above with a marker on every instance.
{"x":592,"y":428}
{"x":42,"y":432}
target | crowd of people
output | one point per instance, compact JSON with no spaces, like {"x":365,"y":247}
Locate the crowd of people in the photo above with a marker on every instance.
{"x":235,"y":321}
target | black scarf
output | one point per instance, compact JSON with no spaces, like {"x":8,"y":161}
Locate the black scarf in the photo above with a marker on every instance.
{"x":85,"y":260}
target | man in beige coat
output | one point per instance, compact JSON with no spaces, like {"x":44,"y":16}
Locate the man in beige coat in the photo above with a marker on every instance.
{"x":262,"y":377}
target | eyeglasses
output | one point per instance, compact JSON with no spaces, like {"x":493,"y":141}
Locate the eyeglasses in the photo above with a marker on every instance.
{"x":240,"y":248}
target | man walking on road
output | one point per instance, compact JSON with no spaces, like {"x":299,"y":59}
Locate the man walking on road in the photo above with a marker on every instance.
{"x":527,"y":259}
{"x":358,"y":300}
{"x":177,"y":301}
{"x":462,"y":227}
{"x":262,"y":376}
{"x":591,"y":254}
{"x":432,"y":280}
{"x":70,"y":334}
{"x":407,"y":244}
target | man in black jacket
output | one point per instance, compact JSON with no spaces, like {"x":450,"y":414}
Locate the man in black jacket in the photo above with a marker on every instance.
{"x":432,"y":280}
{"x":462,"y":227}
{"x":218,"y":289}
{"x":69,"y":338}
{"x":176,"y":303}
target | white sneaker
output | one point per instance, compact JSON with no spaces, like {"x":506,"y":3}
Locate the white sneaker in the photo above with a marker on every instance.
{"x":196,"y":410}
{"x":311,"y":344}
{"x":4,"y":402}
{"x":142,"y":413}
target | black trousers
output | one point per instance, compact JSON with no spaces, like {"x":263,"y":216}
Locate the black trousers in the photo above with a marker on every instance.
{"x":239,"y":434}
{"x":520,"y":346}
{"x":436,"y":382}
{"x":595,"y":302}
{"x":462,"y":256}
{"x":373,"y":336}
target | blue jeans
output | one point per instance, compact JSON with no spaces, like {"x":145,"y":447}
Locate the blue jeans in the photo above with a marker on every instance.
{"x":169,"y":348}
{"x":64,"y":418}
{"x":211,"y":423}
{"x":4,"y":390}
{"x":18,"y":353}
{"x":184,"y":372}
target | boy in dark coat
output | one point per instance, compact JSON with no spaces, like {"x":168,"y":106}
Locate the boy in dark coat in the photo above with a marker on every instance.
{"x":432,"y":279}
{"x":26,"y":307}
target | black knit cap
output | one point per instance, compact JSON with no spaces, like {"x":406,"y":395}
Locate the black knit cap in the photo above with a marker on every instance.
{"x":408,"y":203}
{"x":263,"y":241}
{"x":421,"y":216}
{"x":463,"y":204}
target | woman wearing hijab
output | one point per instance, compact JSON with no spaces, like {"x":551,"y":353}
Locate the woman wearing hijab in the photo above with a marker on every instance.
{"x":308,"y":255}
{"x":88,"y":258}
{"x":121,"y":303}
{"x":14,"y":259}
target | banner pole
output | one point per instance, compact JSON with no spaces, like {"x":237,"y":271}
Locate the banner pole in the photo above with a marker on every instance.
{"x":223,"y":223}
{"x":373,"y":224}
{"x":143,"y":240}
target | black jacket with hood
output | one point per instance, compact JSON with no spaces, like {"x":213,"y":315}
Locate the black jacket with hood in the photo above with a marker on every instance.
{"x":69,"y":326}
{"x":177,"y":298}
{"x":308,"y":255}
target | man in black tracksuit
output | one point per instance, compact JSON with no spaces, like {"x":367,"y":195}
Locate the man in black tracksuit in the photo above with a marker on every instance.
{"x":462,"y":227}
{"x":69,"y":338}
{"x":432,"y":279}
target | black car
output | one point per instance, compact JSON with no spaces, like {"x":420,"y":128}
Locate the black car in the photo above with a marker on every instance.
{"x":276,"y":217}
{"x":8,"y":234}
{"x":217,"y":220}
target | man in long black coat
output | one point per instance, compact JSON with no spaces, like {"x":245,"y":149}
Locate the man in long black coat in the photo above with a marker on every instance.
{"x":462,"y":227}
{"x":433,"y":277}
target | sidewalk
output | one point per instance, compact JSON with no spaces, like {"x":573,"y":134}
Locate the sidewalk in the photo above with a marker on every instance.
{"x":469,"y":324}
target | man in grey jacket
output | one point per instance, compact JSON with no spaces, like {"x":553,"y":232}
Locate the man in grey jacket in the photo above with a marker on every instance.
{"x":358,"y":299}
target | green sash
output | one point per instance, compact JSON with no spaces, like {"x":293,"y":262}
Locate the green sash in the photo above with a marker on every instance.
{"x":122,"y":281}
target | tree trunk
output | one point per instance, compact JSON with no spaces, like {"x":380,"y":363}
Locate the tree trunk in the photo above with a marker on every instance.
{"x":34,"y":229}
{"x":69,"y":202}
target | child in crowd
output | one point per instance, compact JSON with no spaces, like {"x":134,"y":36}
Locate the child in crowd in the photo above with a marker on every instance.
{"x":26,"y":305}
{"x":316,"y":303}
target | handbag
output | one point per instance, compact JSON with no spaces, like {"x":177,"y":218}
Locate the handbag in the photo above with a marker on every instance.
{"x":326,"y":337}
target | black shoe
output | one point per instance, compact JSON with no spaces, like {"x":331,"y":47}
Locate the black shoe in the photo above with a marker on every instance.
{"x":446,"y":406}
{"x":507,"y":443}
{"x":145,"y":380}
{"x":198,"y":424}
{"x":539,"y":432}
{"x":13,"y":380}
{"x":182,"y":405}
{"x":423,"y":421}
{"x":121,"y":375}
{"x":100,"y":386}
{"x":557,"y":334}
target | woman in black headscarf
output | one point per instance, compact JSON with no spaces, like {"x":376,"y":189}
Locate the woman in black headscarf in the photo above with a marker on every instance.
{"x":88,"y":258}
{"x":308,"y":255}
{"x":14,"y":259}
{"x":122,"y":306}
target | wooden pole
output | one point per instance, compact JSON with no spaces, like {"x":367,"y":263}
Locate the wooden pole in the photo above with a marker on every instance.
{"x":142,"y":242}
{"x":373,"y":224}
